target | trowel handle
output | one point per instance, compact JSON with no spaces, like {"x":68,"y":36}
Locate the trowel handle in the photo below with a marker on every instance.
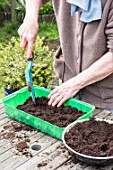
{"x":32,"y":55}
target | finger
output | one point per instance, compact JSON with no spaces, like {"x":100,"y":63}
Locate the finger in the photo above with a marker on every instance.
{"x":53,"y":92}
{"x":62,"y":102}
{"x":21,"y":38}
{"x":57,"y":100}
{"x":30,"y":49}
{"x":52,"y":99}
{"x":21,"y":30}
{"x":23,"y":42}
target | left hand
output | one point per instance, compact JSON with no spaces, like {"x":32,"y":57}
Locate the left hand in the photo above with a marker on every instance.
{"x":28,"y":33}
{"x":62,"y":93}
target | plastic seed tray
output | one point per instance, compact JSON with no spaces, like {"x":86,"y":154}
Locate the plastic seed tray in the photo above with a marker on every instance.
{"x":18,"y":98}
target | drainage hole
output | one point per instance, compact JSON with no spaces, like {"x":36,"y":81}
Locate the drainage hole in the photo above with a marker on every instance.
{"x":36,"y":147}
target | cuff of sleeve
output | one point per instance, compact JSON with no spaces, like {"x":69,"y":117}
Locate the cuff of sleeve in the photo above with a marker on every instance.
{"x":110,"y":50}
{"x":45,"y":1}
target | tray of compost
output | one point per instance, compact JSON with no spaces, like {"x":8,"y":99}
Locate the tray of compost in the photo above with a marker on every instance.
{"x":51,"y":120}
{"x":90,"y":141}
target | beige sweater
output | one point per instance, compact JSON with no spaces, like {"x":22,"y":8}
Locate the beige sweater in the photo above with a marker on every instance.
{"x":82,"y":44}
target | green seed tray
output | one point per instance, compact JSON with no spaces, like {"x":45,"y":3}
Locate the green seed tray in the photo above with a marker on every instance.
{"x":18,"y":98}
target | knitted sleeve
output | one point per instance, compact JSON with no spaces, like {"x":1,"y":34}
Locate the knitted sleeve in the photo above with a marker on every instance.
{"x":109,"y":30}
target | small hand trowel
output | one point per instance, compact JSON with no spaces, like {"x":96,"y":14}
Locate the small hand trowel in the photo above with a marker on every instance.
{"x":28,"y":76}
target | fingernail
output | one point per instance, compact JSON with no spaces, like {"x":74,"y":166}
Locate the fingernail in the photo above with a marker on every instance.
{"x":53,"y":105}
{"x":58,"y":106}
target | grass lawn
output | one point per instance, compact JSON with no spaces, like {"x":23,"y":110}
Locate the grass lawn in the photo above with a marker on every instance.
{"x":47,"y":30}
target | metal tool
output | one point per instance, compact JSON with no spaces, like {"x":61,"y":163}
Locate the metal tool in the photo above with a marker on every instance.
{"x":28,"y":76}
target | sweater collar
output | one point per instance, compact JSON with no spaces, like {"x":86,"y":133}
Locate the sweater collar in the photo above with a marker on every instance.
{"x":91,"y":9}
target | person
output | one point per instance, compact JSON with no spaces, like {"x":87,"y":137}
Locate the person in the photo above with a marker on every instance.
{"x":84,"y":60}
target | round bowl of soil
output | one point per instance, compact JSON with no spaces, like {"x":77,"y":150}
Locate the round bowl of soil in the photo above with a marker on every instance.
{"x":90,"y":141}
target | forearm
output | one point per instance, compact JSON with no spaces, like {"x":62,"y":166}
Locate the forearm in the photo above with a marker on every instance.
{"x":29,"y":29}
{"x":96,"y":72}
{"x":32,"y":9}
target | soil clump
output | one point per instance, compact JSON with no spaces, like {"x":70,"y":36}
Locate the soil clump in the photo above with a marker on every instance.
{"x":92,"y":138}
{"x":61,"y":116}
{"x":20,"y":141}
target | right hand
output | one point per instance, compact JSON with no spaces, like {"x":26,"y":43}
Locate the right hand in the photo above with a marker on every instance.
{"x":28,"y":33}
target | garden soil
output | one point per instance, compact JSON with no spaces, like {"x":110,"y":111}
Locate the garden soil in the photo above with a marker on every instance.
{"x":93,"y":138}
{"x":18,"y":140}
{"x":61,"y":116}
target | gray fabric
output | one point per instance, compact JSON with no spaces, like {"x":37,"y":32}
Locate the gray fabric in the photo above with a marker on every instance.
{"x":83,"y":44}
{"x":45,"y":1}
{"x":79,"y":95}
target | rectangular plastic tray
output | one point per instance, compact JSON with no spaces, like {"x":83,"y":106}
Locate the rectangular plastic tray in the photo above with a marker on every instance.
{"x":18,"y":98}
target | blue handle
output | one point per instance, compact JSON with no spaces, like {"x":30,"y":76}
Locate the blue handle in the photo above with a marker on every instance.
{"x":28,"y":76}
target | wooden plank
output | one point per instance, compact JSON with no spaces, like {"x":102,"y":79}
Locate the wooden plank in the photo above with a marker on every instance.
{"x":3,"y":141}
{"x":3,"y":116}
{"x":91,"y":168}
{"x":67,"y":165}
{"x":4,"y":148}
{"x":110,"y":116}
{"x":71,"y":165}
{"x":54,"y":160}
{"x":4,"y":121}
{"x":79,"y":166}
{"x":103,"y":114}
{"x":32,"y":163}
{"x":9,"y":145}
{"x":2,"y":110}
{"x":33,"y":136}
{"x":1,"y":106}
{"x":97,"y":111}
{"x":16,"y":160}
{"x":55,"y":156}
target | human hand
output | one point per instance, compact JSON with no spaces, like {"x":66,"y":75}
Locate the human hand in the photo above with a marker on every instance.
{"x":63,"y":92}
{"x":28,"y":33}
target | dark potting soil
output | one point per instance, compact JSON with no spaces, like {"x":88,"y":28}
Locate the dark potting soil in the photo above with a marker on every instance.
{"x":15,"y":133}
{"x":93,"y":138}
{"x":58,"y":116}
